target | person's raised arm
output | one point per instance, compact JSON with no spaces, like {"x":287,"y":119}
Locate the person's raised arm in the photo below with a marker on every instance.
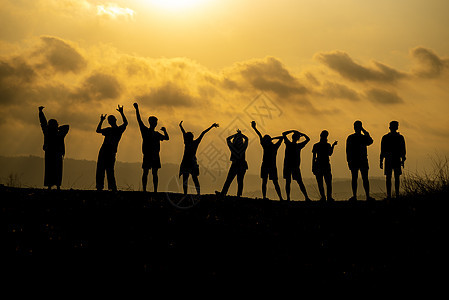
{"x":206,"y":131}
{"x":229,"y":139}
{"x":279,"y":138}
{"x":304,"y":143}
{"x":285,"y":133}
{"x":165,"y":137}
{"x":120,"y":110}
{"x":182,"y":128}
{"x":245,"y":141}
{"x":42,"y":118}
{"x":64,"y":129}
{"x":369,"y":139}
{"x":139,"y":119}
{"x":102,"y":118}
{"x":253,"y":125}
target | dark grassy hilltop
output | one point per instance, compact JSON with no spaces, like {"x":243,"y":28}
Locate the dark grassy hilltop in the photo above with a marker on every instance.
{"x":87,"y":232}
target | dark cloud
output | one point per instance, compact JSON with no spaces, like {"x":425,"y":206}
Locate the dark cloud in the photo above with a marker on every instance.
{"x":268,"y":75}
{"x":16,"y":75}
{"x":59,"y":55}
{"x":342,"y":63}
{"x":383,"y":96}
{"x":98,"y":86}
{"x":339,"y":91}
{"x":167,"y":95}
{"x":429,"y":64}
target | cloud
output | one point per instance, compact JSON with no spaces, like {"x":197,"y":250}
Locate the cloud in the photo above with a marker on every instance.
{"x":114,"y":11}
{"x":429,"y":65}
{"x":339,"y":91}
{"x":268,"y":75}
{"x":61,"y":56}
{"x":15,"y":74}
{"x":167,"y":95}
{"x":383,"y":96}
{"x":98,"y":86}
{"x":342,"y":63}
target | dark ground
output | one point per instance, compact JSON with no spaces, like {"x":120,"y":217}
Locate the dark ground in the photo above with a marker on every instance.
{"x":88,"y":232}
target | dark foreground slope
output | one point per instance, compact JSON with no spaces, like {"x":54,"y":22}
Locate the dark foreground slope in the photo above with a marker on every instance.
{"x":88,"y":232}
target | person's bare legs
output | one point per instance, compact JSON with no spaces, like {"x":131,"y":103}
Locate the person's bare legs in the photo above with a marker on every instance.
{"x":319,"y":181}
{"x":197,"y":184}
{"x":264,"y":188}
{"x":355,"y":175}
{"x":397,"y":183}
{"x":302,"y":187}
{"x":144,"y":179}
{"x":155,"y":180}
{"x":287,"y":187}
{"x":277,"y":188}
{"x":185,"y":178}
{"x":388,"y":185}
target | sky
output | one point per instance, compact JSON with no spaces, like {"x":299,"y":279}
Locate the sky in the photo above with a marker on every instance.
{"x":307,"y":65}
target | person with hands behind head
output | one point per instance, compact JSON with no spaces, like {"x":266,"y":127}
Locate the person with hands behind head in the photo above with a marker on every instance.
{"x":189,"y":164}
{"x":292,"y":161}
{"x":54,"y":148}
{"x":268,"y":168}
{"x":237,"y":143}
{"x":108,"y":150}
{"x":151,"y":145}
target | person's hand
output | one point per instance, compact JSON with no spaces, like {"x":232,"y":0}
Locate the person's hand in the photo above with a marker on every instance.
{"x":180,"y":123}
{"x":120,"y":109}
{"x":381,"y":164}
{"x":334,"y":144}
{"x":103,"y":117}
{"x":239,"y":131}
{"x":41,"y":108}
{"x":136,"y":106}
{"x":215,"y":125}
{"x":402,"y":164}
{"x":163,"y":129}
{"x":253,"y":124}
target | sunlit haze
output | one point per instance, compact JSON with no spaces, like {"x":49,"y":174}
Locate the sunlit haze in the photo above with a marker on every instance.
{"x":307,"y":65}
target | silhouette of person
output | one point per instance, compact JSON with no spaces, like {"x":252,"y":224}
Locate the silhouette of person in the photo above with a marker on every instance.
{"x":237,"y":143}
{"x":292,"y":160}
{"x":392,"y":149}
{"x":357,"y":157}
{"x":268,"y":168}
{"x":54,"y":149}
{"x":108,"y":150}
{"x":321,"y":166}
{"x":189,"y":164}
{"x":151,"y":145}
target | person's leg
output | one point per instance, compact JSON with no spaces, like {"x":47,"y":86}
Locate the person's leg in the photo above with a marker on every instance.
{"x":302,"y":187}
{"x":288,"y":181}
{"x":264,"y":187}
{"x":155,"y":179}
{"x":319,"y":181}
{"x":185,"y":178}
{"x":277,"y":188}
{"x":354,"y":175}
{"x":388,"y":185}
{"x":231,"y":174}
{"x":365,"y":179}
{"x":99,"y":178}
{"x":328,"y":179}
{"x":111,"y":178}
{"x":397,"y":183}
{"x":197,"y":184}
{"x":144,"y":179}
{"x":240,"y":177}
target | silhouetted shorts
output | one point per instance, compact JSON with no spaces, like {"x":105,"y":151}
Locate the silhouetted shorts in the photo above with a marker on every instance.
{"x":359,"y":165}
{"x":392,"y":165}
{"x":292,"y":172}
{"x":151,"y":162}
{"x":269,"y":171}
{"x":189,"y":167}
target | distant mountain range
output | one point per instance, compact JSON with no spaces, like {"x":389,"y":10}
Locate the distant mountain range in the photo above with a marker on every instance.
{"x":27,"y":171}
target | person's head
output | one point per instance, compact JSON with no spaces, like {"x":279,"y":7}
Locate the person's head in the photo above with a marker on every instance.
{"x":394,"y":126}
{"x":238,"y":140}
{"x":323,"y":135}
{"x":266,"y":139}
{"x":358,"y":126}
{"x":296,"y":136}
{"x":153,"y":121}
{"x":52,"y":125}
{"x":189,"y":137}
{"x":112,"y":120}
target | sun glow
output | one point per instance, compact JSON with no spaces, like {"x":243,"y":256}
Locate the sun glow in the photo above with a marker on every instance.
{"x":176,"y":5}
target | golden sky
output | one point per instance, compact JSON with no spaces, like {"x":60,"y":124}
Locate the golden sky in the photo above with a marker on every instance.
{"x":288,"y":64}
